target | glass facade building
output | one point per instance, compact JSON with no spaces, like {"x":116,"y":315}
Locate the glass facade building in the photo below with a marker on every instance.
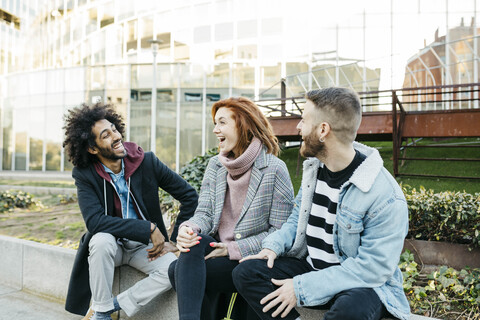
{"x":57,"y":54}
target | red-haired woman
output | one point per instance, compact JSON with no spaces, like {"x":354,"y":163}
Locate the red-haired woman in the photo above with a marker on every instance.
{"x":246,"y":194}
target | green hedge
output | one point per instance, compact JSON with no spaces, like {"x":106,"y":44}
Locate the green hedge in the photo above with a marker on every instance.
{"x":444,"y":216}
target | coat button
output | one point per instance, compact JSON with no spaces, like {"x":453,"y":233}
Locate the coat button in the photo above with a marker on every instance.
{"x":302,"y":303}
{"x":238,"y":236}
{"x":349,"y":226}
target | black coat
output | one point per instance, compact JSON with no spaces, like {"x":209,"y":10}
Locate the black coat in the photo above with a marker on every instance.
{"x":149,"y":175}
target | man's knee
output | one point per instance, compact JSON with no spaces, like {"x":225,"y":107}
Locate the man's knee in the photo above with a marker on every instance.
{"x":247,"y":271}
{"x":356,"y":304}
{"x":171,"y":273}
{"x":102,"y":243}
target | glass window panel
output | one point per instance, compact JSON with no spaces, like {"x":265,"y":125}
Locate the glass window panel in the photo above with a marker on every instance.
{"x":91,"y":16}
{"x":21,"y":127}
{"x":224,"y":31}
{"x":117,"y":77}
{"x":190,"y":131}
{"x":53,"y":137}
{"x":114,"y":44}
{"x":97,"y":78}
{"x":132,"y":35}
{"x":220,"y":77}
{"x":201,"y":34}
{"x":37,"y":82}
{"x":269,"y":76}
{"x":166,"y":132}
{"x":7,"y":136}
{"x":247,"y":52}
{"x":272,"y":26}
{"x":272,"y":52}
{"x":247,"y":29}
{"x":36,"y":132}
{"x":75,"y":79}
{"x":55,"y":80}
{"x":243,"y":76}
{"x":125,"y":9}
{"x":146,"y":31}
{"x":107,"y":14}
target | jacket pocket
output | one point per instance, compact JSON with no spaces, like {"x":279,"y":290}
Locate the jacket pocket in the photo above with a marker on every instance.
{"x":349,"y":229}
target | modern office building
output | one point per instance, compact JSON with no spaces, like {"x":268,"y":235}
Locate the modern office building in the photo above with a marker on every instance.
{"x":172,"y":59}
{"x":452,"y":58}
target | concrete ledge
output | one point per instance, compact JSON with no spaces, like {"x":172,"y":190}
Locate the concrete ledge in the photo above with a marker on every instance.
{"x":45,"y":271}
{"x":39,"y":190}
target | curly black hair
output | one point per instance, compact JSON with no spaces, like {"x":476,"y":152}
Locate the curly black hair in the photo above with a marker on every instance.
{"x":78,"y":130}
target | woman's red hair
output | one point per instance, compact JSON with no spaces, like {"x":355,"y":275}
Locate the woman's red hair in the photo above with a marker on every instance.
{"x":250,"y":122}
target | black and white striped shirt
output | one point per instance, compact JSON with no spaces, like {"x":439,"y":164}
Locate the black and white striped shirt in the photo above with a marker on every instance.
{"x":322,"y":216}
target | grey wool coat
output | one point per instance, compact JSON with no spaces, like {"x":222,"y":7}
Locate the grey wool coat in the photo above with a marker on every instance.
{"x":267,"y":206}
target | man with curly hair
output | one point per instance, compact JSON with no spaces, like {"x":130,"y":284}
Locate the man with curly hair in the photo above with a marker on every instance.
{"x":117,"y":185}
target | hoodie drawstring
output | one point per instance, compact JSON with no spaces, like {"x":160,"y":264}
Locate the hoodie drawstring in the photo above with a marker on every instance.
{"x":105,"y":195}
{"x":128,"y":195}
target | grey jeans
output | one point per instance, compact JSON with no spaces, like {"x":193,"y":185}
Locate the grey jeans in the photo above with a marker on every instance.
{"x":105,"y":253}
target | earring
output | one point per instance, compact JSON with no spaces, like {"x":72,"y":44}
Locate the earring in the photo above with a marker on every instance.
{"x":322,"y":140}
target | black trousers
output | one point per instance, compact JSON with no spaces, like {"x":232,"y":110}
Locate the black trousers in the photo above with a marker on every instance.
{"x":204,"y":287}
{"x":252,"y":279}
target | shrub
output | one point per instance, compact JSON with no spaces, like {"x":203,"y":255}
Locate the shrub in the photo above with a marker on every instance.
{"x":444,"y":216}
{"x":16,"y":199}
{"x":444,"y":293}
{"x":193,"y":173}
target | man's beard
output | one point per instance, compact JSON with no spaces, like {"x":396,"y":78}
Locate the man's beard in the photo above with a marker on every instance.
{"x":312,"y":147}
{"x":108,"y":153}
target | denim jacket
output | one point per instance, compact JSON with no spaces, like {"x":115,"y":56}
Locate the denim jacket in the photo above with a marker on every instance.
{"x":370,"y":227}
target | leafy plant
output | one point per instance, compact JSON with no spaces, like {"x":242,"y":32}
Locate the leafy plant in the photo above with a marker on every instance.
{"x":445,"y":292}
{"x":16,"y":199}
{"x":444,"y":216}
{"x":193,"y":173}
{"x":67,"y":198}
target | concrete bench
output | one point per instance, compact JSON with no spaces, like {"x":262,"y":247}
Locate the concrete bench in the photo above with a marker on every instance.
{"x":166,"y":304}
{"x":45,"y":271}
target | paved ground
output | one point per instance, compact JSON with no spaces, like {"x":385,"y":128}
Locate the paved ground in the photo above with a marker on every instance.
{"x":15,"y":304}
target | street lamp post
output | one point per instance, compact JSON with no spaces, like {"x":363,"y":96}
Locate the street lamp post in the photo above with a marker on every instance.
{"x":153,"y":122}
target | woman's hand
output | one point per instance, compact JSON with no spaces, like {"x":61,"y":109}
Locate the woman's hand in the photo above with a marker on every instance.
{"x":186,"y":238}
{"x":221,"y":250}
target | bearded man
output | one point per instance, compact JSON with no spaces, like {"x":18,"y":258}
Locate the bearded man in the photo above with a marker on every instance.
{"x":117,"y":186}
{"x":339,"y":250}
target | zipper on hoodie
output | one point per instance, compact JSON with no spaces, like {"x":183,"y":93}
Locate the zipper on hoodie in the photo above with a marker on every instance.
{"x":121,"y":207}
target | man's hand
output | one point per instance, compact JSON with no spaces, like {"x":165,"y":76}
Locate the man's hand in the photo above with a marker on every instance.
{"x":267,"y":254}
{"x":158,"y":241}
{"x":168,"y":247}
{"x":186,"y":238}
{"x":221,"y":250}
{"x":284,"y":295}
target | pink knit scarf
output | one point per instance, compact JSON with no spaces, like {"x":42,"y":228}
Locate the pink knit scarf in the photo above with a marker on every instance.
{"x":237,"y":167}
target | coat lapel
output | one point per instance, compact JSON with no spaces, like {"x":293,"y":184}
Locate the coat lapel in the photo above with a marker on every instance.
{"x":255,"y":180}
{"x":220,"y":190}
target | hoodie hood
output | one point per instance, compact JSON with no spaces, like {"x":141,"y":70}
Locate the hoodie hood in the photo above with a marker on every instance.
{"x":132,"y":161}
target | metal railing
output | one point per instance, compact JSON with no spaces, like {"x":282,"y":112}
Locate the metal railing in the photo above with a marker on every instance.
{"x":405,"y":109}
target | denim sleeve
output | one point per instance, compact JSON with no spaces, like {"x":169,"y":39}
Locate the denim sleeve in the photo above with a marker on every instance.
{"x":376,"y":260}
{"x":282,"y":240}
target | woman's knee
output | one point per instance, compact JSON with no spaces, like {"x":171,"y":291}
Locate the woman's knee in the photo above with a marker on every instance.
{"x":200,"y":249}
